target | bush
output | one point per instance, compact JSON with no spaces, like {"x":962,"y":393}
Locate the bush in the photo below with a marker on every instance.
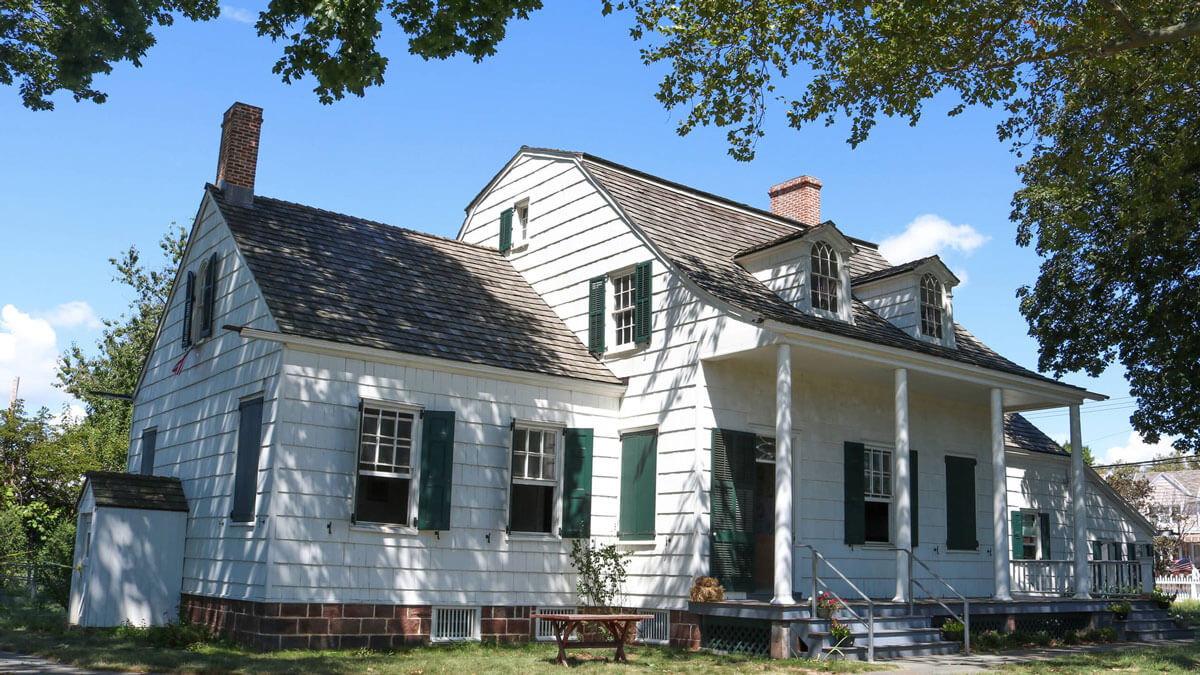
{"x":1108,"y":634}
{"x":1070,"y":637}
{"x":1092,"y":635}
{"x":1042,"y":638}
{"x":988,"y":639}
{"x":1017,"y":639}
{"x":55,"y":559}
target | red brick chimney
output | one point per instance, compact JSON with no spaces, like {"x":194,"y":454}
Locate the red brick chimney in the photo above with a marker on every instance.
{"x":798,"y":199}
{"x":239,"y":152}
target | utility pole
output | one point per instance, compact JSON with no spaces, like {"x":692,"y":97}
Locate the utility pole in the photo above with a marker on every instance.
{"x":12,"y":398}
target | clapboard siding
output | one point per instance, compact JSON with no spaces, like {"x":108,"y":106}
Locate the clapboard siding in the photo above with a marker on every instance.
{"x":894,"y":299}
{"x":196,"y":414}
{"x":319,"y":555}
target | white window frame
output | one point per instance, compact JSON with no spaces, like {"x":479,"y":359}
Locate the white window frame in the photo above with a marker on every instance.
{"x":1038,"y":535}
{"x":611,"y":311}
{"x":936,"y":306}
{"x":520,"y":223}
{"x":556,"y":501}
{"x":888,"y":477}
{"x":839,"y":294}
{"x":623,"y":286}
{"x":414,"y":460}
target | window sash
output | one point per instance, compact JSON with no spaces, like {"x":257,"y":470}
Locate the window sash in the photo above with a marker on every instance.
{"x":877,"y":474}
{"x":824,"y":277}
{"x":534,"y":455}
{"x":624,"y":314}
{"x":385,"y":442}
{"x":931,"y":307}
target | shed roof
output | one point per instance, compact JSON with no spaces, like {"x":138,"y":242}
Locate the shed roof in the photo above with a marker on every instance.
{"x":334,"y":277}
{"x":135,"y":491}
{"x":1022,"y":434}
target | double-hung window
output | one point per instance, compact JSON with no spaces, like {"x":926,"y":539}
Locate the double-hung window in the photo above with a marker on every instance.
{"x":623,"y":313}
{"x":534,"y":479}
{"x":877,"y":494}
{"x":385,"y":465}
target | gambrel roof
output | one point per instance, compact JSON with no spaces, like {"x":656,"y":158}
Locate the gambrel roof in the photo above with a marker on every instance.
{"x":352,"y":281}
{"x":702,"y":234}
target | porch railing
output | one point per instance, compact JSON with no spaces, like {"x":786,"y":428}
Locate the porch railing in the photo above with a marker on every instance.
{"x":817,"y":559}
{"x":965,"y":619}
{"x":1043,"y":577}
{"x":1116,"y":577}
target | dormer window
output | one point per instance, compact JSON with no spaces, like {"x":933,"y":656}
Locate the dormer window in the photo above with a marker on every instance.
{"x":931,"y":307}
{"x":824,"y":277}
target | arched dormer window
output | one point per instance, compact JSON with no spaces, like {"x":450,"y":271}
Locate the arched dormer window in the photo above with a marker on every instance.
{"x":931,"y":307}
{"x":825,"y":277}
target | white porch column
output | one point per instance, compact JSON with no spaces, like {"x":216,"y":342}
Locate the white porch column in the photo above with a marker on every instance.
{"x":1083,"y":582}
{"x":903,"y":486}
{"x":1000,"y":551}
{"x":783,"y":476}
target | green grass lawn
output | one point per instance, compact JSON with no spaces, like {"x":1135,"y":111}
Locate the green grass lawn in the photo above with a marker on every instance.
{"x":1139,"y":659}
{"x":41,"y":631}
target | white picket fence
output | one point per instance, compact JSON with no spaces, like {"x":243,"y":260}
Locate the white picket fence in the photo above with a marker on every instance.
{"x":1186,"y":586}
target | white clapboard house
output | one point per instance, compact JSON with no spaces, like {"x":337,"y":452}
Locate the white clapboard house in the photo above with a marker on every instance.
{"x":386,"y":436}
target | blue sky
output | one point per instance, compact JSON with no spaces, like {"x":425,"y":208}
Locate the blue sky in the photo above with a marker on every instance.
{"x":86,"y":181}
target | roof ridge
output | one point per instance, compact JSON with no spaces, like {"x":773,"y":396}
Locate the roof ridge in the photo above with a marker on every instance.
{"x":784,"y":220}
{"x":365,"y":221}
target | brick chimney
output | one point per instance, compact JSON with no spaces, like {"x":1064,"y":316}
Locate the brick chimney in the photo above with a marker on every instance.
{"x":798,"y":199}
{"x":239,"y":153}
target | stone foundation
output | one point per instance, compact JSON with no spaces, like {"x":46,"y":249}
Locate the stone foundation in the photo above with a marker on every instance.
{"x":274,"y":625}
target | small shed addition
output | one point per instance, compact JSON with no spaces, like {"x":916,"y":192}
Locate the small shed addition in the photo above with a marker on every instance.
{"x":128,"y":550}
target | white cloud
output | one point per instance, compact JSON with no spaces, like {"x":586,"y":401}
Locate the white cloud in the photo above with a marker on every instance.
{"x":1136,"y":450}
{"x":71,"y":315}
{"x":238,"y":14}
{"x":28,"y":349}
{"x":962,"y":278}
{"x":927,"y":235}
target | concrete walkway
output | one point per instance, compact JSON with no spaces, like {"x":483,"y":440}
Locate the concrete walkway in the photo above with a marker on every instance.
{"x":27,"y":665}
{"x":978,"y":663}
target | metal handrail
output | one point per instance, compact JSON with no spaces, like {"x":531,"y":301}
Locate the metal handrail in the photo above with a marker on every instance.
{"x":965,"y":619}
{"x":816,"y":579}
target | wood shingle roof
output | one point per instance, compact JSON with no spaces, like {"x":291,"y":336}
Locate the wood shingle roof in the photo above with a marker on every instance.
{"x":347,"y":280}
{"x":135,"y":491}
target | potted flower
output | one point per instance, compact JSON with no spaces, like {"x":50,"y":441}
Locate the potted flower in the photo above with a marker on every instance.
{"x":953,"y":631}
{"x":1162,"y":598}
{"x":1120,"y":610}
{"x":827,"y":605}
{"x":840,"y":634}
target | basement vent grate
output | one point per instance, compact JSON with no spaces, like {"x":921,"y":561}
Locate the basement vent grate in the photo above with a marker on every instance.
{"x":545,"y":630}
{"x":455,"y":624}
{"x":656,"y":631}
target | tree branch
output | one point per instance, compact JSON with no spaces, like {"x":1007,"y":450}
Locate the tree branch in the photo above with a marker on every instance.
{"x":1142,"y":38}
{"x":1122,"y":16}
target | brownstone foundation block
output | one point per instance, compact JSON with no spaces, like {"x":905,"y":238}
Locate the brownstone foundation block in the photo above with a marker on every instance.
{"x":685,"y":630}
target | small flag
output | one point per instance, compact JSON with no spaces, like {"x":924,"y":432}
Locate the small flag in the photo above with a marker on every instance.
{"x":179,"y":364}
{"x":1182,"y":566}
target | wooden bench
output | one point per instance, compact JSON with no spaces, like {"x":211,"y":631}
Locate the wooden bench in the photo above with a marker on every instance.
{"x":619,"y":626}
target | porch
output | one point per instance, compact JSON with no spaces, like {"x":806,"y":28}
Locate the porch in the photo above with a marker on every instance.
{"x":886,"y":629}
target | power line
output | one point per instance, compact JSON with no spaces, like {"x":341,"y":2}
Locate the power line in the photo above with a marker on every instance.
{"x":1148,"y":462}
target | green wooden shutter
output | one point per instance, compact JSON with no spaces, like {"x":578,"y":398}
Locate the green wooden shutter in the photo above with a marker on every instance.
{"x":639,"y":459}
{"x":245,"y":477}
{"x":915,"y":495}
{"x":188,"y":301}
{"x":1015,"y":533}
{"x":577,"y":483}
{"x":506,"y":230}
{"x":208,"y":297}
{"x":732,"y":511}
{"x":855,"y":506}
{"x":960,"y":504}
{"x":1097,"y":550}
{"x":642,"y":293}
{"x":1044,"y":523}
{"x":1115,"y":549}
{"x":437,"y":470}
{"x":1130,"y":551}
{"x":596,"y":315}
